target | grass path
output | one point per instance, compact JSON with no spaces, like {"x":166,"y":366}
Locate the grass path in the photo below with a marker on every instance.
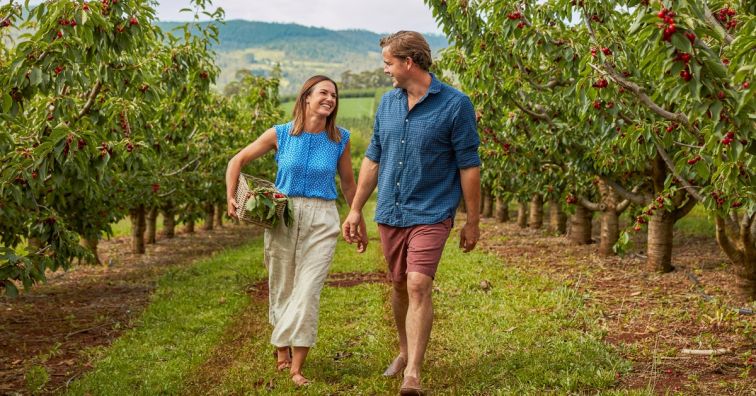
{"x":206,"y":332}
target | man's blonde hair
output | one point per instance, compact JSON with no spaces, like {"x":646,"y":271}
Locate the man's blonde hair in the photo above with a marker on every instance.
{"x":407,"y":44}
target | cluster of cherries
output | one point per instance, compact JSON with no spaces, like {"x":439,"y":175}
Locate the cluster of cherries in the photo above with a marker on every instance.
{"x":725,"y":15}
{"x":515,"y":16}
{"x":729,"y":138}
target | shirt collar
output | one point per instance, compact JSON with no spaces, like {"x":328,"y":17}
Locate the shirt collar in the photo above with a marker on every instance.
{"x":434,"y":88}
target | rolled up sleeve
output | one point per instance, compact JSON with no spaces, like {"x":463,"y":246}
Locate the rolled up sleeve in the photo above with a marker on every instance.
{"x":373,"y":151}
{"x":465,"y":138}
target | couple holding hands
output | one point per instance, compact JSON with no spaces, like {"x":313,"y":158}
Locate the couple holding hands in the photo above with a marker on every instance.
{"x":422,"y":157}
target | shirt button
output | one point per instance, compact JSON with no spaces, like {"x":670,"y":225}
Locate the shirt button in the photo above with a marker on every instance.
{"x":397,"y":184}
{"x":402,"y":141}
{"x":406,"y":120}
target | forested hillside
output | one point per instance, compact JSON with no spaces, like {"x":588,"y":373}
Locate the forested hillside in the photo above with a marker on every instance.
{"x":301,"y":51}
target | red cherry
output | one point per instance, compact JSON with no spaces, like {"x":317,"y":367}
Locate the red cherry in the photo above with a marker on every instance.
{"x":59,"y":34}
{"x":155,"y":187}
{"x":606,"y":51}
{"x":691,"y":37}
{"x":609,"y":105}
{"x":72,"y":22}
{"x":597,"y":104}
{"x":746,"y":85}
{"x":85,"y":7}
{"x":721,"y":95}
{"x":685,"y":75}
{"x":58,"y":70}
{"x":133,"y":21}
{"x":521,"y":25}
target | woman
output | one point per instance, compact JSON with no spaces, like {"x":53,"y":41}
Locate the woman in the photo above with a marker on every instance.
{"x":310,"y":150}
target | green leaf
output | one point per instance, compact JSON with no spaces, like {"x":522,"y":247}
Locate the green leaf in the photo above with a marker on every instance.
{"x":716,"y":109}
{"x":10,"y":289}
{"x":682,"y":43}
{"x":35,"y":78}
{"x":7,"y":103}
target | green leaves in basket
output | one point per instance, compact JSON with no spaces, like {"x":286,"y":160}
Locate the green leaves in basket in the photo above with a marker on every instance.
{"x":263,"y":204}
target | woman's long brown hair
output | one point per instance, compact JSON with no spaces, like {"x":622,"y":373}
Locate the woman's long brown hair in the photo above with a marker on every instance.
{"x":301,"y":104}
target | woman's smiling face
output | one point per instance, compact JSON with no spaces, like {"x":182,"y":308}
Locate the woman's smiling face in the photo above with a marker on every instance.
{"x":322,"y":99}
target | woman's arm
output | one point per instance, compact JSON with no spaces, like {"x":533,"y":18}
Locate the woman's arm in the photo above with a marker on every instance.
{"x":346,"y":175}
{"x":266,"y":142}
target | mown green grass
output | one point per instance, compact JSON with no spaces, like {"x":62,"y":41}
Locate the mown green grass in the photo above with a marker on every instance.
{"x":185,"y":318}
{"x":524,"y":335}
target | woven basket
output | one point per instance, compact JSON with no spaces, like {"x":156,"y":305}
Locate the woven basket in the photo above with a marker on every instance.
{"x":242,"y":195}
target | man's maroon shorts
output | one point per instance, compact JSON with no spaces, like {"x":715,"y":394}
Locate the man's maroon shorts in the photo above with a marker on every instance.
{"x":414,"y":249}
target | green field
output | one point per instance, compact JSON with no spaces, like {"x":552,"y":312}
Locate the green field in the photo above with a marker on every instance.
{"x":348,"y":108}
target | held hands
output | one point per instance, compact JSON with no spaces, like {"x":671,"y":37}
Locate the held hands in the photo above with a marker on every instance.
{"x":469,"y":236}
{"x":354,"y":230}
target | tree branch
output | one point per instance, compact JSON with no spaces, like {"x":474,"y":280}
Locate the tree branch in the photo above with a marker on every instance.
{"x":714,"y":24}
{"x":540,"y":116}
{"x":592,"y":206}
{"x":90,"y":100}
{"x":188,"y":164}
{"x":687,"y":186}
{"x":633,"y":197}
{"x":640,"y":92}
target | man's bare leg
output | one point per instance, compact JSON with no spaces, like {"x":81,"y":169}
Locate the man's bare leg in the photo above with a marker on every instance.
{"x":419,"y":320}
{"x":399,"y":304}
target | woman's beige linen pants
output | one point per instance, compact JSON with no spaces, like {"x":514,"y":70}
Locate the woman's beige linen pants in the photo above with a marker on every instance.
{"x":298,"y":259}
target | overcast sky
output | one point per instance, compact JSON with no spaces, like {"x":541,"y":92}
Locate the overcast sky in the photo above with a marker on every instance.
{"x":380,"y":16}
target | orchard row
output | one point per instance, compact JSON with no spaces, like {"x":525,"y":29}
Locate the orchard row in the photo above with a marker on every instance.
{"x":614,"y":106}
{"x":106,"y":116}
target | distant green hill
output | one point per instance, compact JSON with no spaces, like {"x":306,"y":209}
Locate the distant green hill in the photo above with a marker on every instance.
{"x":300,"y":50}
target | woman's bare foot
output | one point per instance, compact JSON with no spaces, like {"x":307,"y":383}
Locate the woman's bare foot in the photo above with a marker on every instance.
{"x":299,"y":379}
{"x":283,"y":358}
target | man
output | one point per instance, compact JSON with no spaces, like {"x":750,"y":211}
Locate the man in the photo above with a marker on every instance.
{"x":423,"y":157}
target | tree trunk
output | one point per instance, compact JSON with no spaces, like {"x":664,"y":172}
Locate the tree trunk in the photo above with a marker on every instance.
{"x":218,"y":216}
{"x":536,"y":212}
{"x":557,"y":218}
{"x":152,"y":226}
{"x":209,"y":217}
{"x":91,"y":245}
{"x":609,"y":232}
{"x":169,"y":222}
{"x":738,"y":243}
{"x":487,"y":204}
{"x":138,"y":226}
{"x":502,"y":210}
{"x":581,"y":225}
{"x":189,"y":227}
{"x":660,"y":226}
{"x":522,"y":214}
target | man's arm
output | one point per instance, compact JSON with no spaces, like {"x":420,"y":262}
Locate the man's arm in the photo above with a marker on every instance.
{"x":353,"y":227}
{"x":470,"y":179}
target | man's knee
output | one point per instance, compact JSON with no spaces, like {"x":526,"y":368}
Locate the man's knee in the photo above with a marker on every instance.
{"x":419,"y":286}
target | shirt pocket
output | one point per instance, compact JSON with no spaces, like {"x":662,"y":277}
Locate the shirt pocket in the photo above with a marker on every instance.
{"x":432,"y":137}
